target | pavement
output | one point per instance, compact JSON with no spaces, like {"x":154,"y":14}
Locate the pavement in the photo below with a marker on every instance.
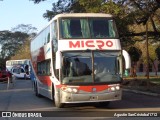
{"x":16,"y":84}
{"x":142,"y":92}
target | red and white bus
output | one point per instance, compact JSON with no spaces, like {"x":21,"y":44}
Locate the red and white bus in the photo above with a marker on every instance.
{"x":77,"y":58}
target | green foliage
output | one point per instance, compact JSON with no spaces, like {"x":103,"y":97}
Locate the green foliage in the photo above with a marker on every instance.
{"x":64,"y":6}
{"x":151,"y":49}
{"x":15,"y":44}
{"x":25,"y":49}
{"x":11,"y":42}
{"x":91,"y":5}
{"x":126,"y":12}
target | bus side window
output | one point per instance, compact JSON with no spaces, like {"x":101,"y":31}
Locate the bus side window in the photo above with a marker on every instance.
{"x":48,"y":34}
{"x":48,"y":37}
{"x":54,"y":36}
{"x":44,"y":67}
{"x":54,"y":30}
{"x":22,"y":71}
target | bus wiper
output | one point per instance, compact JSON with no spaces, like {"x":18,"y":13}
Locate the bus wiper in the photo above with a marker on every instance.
{"x":73,"y":56}
{"x":80,"y":54}
{"x":109,"y":54}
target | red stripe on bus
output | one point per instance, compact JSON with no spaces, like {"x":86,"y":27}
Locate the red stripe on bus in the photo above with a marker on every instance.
{"x":87,"y":88}
{"x":59,"y":86}
{"x":45,"y":80}
{"x":91,"y":88}
{"x":41,"y":56}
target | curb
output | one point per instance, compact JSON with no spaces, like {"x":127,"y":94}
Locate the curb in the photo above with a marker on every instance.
{"x":142,"y":92}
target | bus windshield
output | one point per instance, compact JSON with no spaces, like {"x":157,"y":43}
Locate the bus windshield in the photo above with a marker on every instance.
{"x":98,"y":28}
{"x":79,"y":68}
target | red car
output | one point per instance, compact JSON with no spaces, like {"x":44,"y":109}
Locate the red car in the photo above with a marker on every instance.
{"x":4,"y":74}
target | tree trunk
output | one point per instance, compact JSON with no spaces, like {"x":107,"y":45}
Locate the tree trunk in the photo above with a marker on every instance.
{"x":154,"y":66}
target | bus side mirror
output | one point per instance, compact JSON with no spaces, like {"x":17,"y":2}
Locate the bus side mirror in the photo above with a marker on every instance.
{"x":58,"y":60}
{"x":127,"y":59}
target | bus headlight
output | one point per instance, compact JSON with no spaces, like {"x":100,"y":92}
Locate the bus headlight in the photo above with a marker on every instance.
{"x":70,"y":89}
{"x":118,"y":87}
{"x":114,"y":88}
{"x":75,"y":90}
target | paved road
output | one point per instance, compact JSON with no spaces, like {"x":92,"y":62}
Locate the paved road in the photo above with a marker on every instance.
{"x":20,"y":97}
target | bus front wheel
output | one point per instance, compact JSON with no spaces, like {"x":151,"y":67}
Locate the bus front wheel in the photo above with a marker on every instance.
{"x":57,"y":101}
{"x":56,"y":97}
{"x":59,"y":104}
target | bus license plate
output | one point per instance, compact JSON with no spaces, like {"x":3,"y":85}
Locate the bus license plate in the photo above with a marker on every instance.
{"x":93,"y":98}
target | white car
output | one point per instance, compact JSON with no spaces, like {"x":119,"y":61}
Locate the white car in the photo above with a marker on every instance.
{"x":19,"y":72}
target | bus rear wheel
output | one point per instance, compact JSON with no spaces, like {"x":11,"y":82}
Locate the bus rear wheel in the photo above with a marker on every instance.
{"x":36,"y":90}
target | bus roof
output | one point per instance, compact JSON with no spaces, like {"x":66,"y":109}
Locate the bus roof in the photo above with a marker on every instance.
{"x":82,"y":15}
{"x":18,"y":60}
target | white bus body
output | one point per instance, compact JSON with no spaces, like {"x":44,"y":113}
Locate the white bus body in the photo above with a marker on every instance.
{"x":77,"y":58}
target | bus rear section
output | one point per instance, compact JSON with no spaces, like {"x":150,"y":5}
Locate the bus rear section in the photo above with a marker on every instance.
{"x":84,"y":60}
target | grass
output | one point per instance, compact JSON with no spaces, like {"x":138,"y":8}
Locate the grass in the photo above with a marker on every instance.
{"x":141,"y":83}
{"x":152,"y":79}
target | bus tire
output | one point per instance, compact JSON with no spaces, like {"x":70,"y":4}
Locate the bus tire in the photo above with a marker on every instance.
{"x":57,"y":100}
{"x":36,"y":90}
{"x":58,"y":104}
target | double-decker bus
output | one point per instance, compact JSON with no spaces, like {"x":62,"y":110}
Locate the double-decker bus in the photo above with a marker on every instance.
{"x":77,"y":58}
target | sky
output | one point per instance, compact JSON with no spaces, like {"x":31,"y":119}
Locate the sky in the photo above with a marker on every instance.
{"x":15,"y":12}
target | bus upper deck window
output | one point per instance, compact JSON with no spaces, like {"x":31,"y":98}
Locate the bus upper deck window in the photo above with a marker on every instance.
{"x":100,"y":28}
{"x":75,"y":28}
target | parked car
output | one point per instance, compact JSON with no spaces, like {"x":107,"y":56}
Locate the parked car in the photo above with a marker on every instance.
{"x":20,"y":72}
{"x":4,"y":74}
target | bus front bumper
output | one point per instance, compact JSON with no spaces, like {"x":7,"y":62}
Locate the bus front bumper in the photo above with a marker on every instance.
{"x":91,"y":97}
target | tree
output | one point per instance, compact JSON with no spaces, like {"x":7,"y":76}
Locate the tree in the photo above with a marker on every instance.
{"x":10,"y":44}
{"x":64,"y":6}
{"x":25,"y":49}
{"x":158,"y":52}
{"x":135,"y":54}
{"x":143,"y":11}
{"x":24,"y":28}
{"x":14,"y":43}
{"x":152,"y":53}
{"x":128,"y":12}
